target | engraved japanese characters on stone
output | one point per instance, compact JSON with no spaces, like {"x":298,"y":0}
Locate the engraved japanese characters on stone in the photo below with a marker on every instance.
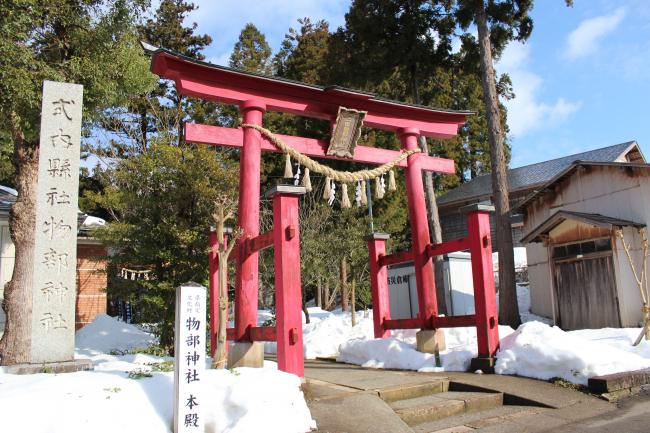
{"x":59,"y":167}
{"x":56,"y":197}
{"x":52,"y":321}
{"x":55,"y":291}
{"x":60,"y":107}
{"x":62,"y":140}
{"x":56,"y":229}
{"x":55,"y":260}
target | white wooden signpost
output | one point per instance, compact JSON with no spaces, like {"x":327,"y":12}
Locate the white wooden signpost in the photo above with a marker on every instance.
{"x":190,"y":354}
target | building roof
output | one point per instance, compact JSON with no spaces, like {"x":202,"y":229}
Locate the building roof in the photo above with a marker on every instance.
{"x":543,"y":189}
{"x":8,"y":197}
{"x":530,"y":176}
{"x":593,"y":219}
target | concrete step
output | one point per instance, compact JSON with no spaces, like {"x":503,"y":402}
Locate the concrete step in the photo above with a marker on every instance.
{"x":475,"y":421}
{"x":414,"y":411}
{"x":404,"y":392}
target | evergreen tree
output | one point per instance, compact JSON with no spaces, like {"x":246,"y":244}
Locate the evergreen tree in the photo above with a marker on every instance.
{"x":162,"y":201}
{"x":144,"y":116}
{"x":251,"y":53}
{"x":87,"y":42}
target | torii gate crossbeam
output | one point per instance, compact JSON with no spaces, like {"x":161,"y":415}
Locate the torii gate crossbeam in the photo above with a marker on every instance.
{"x":255,"y":94}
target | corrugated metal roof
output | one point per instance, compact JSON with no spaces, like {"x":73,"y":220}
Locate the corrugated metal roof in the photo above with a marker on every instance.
{"x":531,"y":175}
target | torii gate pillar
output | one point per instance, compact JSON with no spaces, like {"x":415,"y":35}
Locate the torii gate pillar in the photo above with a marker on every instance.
{"x":424,"y":276}
{"x":247,"y":277}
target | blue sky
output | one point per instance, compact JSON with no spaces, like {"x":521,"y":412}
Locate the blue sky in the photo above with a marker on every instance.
{"x":582,"y":80}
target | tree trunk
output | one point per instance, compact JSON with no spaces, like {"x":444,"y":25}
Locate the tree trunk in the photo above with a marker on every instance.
{"x":15,"y":346}
{"x":508,"y":308}
{"x":220,"y":355}
{"x":354,"y":306}
{"x":432,"y":207}
{"x":344,"y":284}
{"x":319,"y":294}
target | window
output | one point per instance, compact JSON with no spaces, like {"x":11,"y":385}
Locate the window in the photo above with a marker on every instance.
{"x":587,"y":247}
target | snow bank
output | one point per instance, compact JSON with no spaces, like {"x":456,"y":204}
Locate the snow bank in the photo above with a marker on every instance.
{"x":399,"y":351}
{"x":543,"y":352}
{"x":106,"y":334}
{"x":243,"y":401}
{"x":106,"y":400}
{"x":328,"y":330}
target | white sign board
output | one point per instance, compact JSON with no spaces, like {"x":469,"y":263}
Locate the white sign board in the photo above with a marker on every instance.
{"x":190,"y":355}
{"x":403,"y":293}
{"x":55,"y":249}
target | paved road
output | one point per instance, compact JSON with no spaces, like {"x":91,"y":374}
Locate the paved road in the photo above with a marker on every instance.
{"x":632,"y":416}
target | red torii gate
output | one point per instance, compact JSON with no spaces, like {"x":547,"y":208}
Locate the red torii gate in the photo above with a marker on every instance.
{"x":255,"y":94}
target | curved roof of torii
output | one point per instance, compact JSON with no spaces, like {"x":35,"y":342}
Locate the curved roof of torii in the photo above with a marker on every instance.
{"x":219,"y":83}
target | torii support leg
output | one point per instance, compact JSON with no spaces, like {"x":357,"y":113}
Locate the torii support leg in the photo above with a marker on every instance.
{"x":245,"y":353}
{"x":485,"y":305}
{"x":213,"y":265}
{"x":424,"y":277}
{"x":379,"y":284}
{"x":288,"y":295}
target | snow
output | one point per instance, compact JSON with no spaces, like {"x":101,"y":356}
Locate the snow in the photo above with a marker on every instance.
{"x":398,"y":351}
{"x":523,"y":301}
{"x":536,"y":349}
{"x":107,"y":400}
{"x":106,"y":334}
{"x":541,"y":351}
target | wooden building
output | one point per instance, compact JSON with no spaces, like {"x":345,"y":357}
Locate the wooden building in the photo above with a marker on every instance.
{"x":522,"y":182}
{"x":580,"y":275}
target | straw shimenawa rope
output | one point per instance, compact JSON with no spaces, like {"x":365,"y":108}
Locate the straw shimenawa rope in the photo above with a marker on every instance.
{"x":339,"y":176}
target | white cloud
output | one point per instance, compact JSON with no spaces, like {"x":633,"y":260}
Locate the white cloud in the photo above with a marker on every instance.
{"x":526,"y":112}
{"x":584,"y":40}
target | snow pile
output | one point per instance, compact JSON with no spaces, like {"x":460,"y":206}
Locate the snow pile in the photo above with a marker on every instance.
{"x":107,"y":400}
{"x":399,"y":351}
{"x":328,"y":330}
{"x":246,"y":400}
{"x":106,"y":334}
{"x":323,"y":336}
{"x":543,"y":352}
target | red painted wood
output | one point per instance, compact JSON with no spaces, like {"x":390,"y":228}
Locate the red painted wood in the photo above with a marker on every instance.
{"x":246,"y":287}
{"x":261,"y":242}
{"x":396,"y":258}
{"x":448,"y":247}
{"x":218,"y":84}
{"x":379,"y":287}
{"x":288,"y":297}
{"x":217,"y":135}
{"x":230,"y":333}
{"x":485,"y":305}
{"x":404,"y":323}
{"x":263,"y":333}
{"x":454,"y":321}
{"x":419,"y":229}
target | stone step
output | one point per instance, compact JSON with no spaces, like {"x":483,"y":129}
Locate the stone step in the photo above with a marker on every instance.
{"x":404,"y":392}
{"x":475,"y":421}
{"x":437,"y":406}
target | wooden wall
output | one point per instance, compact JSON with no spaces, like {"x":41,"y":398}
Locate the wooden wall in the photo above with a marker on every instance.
{"x":610,"y":191}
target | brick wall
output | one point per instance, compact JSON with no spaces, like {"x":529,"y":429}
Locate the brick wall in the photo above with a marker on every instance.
{"x":91,"y":283}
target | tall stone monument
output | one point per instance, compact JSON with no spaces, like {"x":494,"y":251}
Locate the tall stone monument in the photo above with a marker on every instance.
{"x":55,"y":260}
